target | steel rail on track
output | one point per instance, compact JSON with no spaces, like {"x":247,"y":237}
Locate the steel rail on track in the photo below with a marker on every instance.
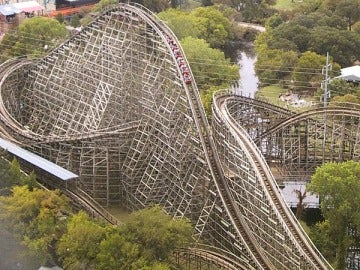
{"x":208,"y":254}
{"x":7,"y":68}
{"x":252,"y":247}
{"x":80,"y":197}
{"x":338,"y":111}
{"x":301,"y":237}
{"x":262,"y":104}
{"x":193,"y":99}
{"x":213,"y":160}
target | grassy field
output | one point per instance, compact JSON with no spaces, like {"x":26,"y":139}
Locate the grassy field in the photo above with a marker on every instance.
{"x":271,"y":94}
{"x":286,"y":4}
{"x":119,"y":213}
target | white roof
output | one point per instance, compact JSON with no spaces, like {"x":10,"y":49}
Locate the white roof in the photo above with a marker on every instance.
{"x":350,"y":74}
{"x":28,"y":6}
{"x":36,"y":160}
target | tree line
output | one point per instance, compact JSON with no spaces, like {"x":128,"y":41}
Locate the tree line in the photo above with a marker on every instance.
{"x":47,"y":224}
{"x":292,"y":51}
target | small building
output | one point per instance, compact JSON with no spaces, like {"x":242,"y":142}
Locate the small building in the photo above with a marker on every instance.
{"x":29,"y":8}
{"x":8,"y":17}
{"x":350,"y":74}
{"x":8,"y":13}
{"x":11,"y":15}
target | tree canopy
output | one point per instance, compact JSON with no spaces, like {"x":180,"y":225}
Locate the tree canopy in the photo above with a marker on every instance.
{"x":214,"y":27}
{"x":206,"y":23}
{"x":342,"y":45}
{"x":338,"y":185}
{"x":317,"y":32}
{"x":212,"y":71}
{"x":45,"y":223}
{"x":209,"y":66}
{"x":35,"y":36}
{"x":37,"y":216}
{"x":145,"y":242}
{"x":349,"y":10}
{"x":11,"y":175}
{"x":183,"y":24}
{"x":80,"y":244}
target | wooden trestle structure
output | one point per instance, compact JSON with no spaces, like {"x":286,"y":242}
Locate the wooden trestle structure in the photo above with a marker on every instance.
{"x":117,"y":105}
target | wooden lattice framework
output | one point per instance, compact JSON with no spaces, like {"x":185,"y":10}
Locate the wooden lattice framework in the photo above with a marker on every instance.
{"x":296,"y":143}
{"x":117,"y":105}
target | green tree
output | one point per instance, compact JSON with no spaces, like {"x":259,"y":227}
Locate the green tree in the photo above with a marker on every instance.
{"x":350,"y":10}
{"x":158,"y":233}
{"x":342,"y":45}
{"x":307,"y":74}
{"x":181,"y":23}
{"x":30,"y":181}
{"x":75,"y":20}
{"x":12,"y":175}
{"x":38,"y":217}
{"x":80,"y":244}
{"x":117,"y":252}
{"x":274,"y":65}
{"x":319,"y":18}
{"x":337,"y":185}
{"x":211,"y":70}
{"x":348,"y":98}
{"x":145,"y":242}
{"x":156,"y":5}
{"x":207,"y":98}
{"x":209,"y":66}
{"x":274,"y":21}
{"x":33,"y":37}
{"x":321,"y":235}
{"x":340,"y":87}
{"x":103,"y":4}
{"x":255,"y":11}
{"x":295,"y":33}
{"x":213,"y":26}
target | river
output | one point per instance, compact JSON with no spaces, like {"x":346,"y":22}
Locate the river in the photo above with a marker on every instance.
{"x":248,"y":83}
{"x":11,"y":252}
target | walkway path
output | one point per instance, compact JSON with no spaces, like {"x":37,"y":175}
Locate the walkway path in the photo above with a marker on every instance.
{"x":254,"y":26}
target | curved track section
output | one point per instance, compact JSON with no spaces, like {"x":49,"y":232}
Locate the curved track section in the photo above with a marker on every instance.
{"x":253,"y":188}
{"x":117,"y":105}
{"x":300,"y":142}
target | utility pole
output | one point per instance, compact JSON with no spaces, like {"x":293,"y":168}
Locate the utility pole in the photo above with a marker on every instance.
{"x":327,"y":79}
{"x":326,"y":94}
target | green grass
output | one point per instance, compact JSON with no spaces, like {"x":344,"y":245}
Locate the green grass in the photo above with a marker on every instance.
{"x":271,"y":94}
{"x":119,"y":212}
{"x":286,"y":4}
